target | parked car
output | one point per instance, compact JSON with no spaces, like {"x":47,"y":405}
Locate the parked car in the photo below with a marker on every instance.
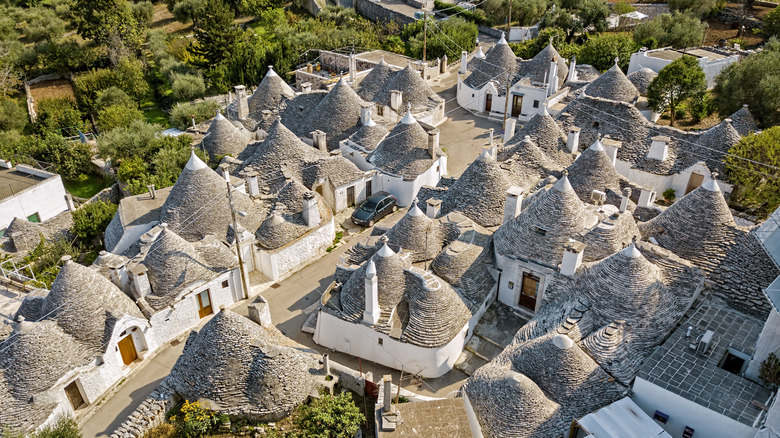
{"x":373,"y":208}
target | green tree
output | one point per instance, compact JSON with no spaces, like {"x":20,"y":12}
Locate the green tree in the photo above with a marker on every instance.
{"x":676,"y":83}
{"x":700,"y":8}
{"x":525,"y":13}
{"x":757,"y":186}
{"x":769,"y":372}
{"x":103,"y":20}
{"x":91,"y":220}
{"x":444,"y":38}
{"x":676,"y":30}
{"x":12,"y":114}
{"x":621,"y":7}
{"x":118,"y":116}
{"x":530,"y":48}
{"x":137,"y":139}
{"x":593,"y":14}
{"x":600,"y":50}
{"x":215,"y":34}
{"x":58,"y":115}
{"x":187,"y":87}
{"x":131,"y":78}
{"x":65,"y":427}
{"x":754,"y":81}
{"x":113,"y":96}
{"x":182,"y":115}
{"x":186,"y":10}
{"x":771,"y":23}
{"x":330,"y":417}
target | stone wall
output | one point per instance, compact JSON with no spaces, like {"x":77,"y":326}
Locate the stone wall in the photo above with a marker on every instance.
{"x":150,"y":414}
{"x":377,"y":12}
{"x":729,"y":16}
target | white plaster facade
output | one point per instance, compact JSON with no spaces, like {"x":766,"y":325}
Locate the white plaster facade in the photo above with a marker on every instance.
{"x":46,"y":198}
{"x":405,"y":191}
{"x":511,"y":281}
{"x":278,"y":264}
{"x":677,"y":182}
{"x":683,"y":412}
{"x":531,"y":98}
{"x":712,"y":65}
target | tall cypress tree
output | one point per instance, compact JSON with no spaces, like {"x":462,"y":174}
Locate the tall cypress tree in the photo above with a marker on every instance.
{"x":216,"y":35}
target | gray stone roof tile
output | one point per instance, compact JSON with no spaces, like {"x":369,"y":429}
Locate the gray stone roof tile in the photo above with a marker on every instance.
{"x":499,"y":62}
{"x":641,"y":79}
{"x":414,"y":89}
{"x":223,"y":138}
{"x":480,"y":192}
{"x":613,"y":85}
{"x":404,"y":151}
{"x":271,"y":94}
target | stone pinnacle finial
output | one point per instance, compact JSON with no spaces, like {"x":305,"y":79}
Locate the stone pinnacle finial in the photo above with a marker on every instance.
{"x":616,"y":60}
{"x":714,"y":175}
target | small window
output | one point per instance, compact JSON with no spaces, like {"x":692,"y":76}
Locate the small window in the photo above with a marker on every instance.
{"x":733,"y":362}
{"x":381,"y":341}
{"x":511,"y":285}
{"x":380,"y":110}
{"x":536,"y":104}
{"x":540,"y":231}
{"x":596,"y":125}
{"x":661,"y":417}
{"x":224,"y":284}
{"x":34,"y":218}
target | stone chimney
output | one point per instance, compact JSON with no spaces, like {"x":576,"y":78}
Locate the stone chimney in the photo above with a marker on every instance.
{"x":611,"y":148}
{"x":20,"y":242}
{"x":464,"y":62}
{"x":365,"y":113}
{"x":572,"y":70}
{"x":352,"y":68}
{"x":387,"y":387}
{"x":372,"y":312}
{"x":139,"y":281}
{"x":491,"y":150}
{"x":509,"y":129}
{"x":251,"y":182}
{"x":513,"y":204}
{"x":305,"y":87}
{"x":572,"y":257}
{"x":433,"y":142}
{"x":659,"y":148}
{"x":69,"y":202}
{"x":552,"y":79}
{"x":624,"y":199}
{"x":242,"y":103}
{"x":396,"y":100}
{"x":573,"y":140}
{"x":433,"y":208}
{"x":311,"y":210}
{"x":320,"y":140}
{"x":443,"y":64}
{"x":225,"y":168}
{"x":646,"y":197}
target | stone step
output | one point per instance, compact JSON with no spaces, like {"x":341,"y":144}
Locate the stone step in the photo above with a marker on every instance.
{"x":482,"y":348}
{"x":310,"y":324}
{"x":468,"y":362}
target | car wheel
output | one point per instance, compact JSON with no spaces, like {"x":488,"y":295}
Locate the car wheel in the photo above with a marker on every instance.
{"x":395,"y":208}
{"x":371,"y":223}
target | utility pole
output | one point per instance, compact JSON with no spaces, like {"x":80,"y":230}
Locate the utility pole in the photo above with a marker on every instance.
{"x":237,"y":234}
{"x":506,"y":104}
{"x":425,"y":34}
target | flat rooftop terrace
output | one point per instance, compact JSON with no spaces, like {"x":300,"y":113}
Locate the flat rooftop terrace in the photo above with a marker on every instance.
{"x":678,"y":368}
{"x":673,"y":54}
{"x":13,"y":181}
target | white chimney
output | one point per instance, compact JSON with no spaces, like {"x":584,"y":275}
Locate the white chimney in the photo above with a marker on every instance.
{"x":646,"y":197}
{"x":387,"y":387}
{"x":464,"y":62}
{"x":491,"y":137}
{"x":552,"y":79}
{"x":572,"y":70}
{"x":433,"y":142}
{"x":69,"y":202}
{"x":365,"y":113}
{"x":320,"y":140}
{"x":572,"y":257}
{"x":139,"y":281}
{"x":491,"y":149}
{"x":573,"y":140}
{"x":624,"y":199}
{"x":305,"y":87}
{"x":433,"y":208}
{"x":352,"y":68}
{"x":242,"y":104}
{"x":513,"y":204}
{"x":311,"y":211}
{"x":251,"y":181}
{"x":225,"y":168}
{"x":396,"y":100}
{"x":659,"y":148}
{"x":509,"y":129}
{"x":611,"y":148}
{"x":372,"y":312}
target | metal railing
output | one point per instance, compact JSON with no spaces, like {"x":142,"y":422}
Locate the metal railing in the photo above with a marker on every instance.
{"x":10,"y":271}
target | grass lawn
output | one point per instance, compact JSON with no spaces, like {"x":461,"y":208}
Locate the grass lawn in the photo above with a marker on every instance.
{"x":154,"y":114}
{"x":86,"y":186}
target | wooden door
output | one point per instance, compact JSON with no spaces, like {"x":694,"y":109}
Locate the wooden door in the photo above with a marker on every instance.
{"x":695,"y":181}
{"x":350,"y":196}
{"x":127,"y":350}
{"x":528,"y":291}
{"x":204,"y":304}
{"x":368,"y":188}
{"x":488,"y":102}
{"x":517,"y":105}
{"x":74,"y":395}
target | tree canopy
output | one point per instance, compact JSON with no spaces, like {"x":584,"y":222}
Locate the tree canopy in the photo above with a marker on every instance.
{"x":601,"y":50}
{"x":757,"y":186}
{"x":676,"y":83}
{"x":677,"y":30}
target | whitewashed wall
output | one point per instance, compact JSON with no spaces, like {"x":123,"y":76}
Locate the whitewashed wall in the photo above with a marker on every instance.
{"x":405,"y":191}
{"x":350,"y":152}
{"x":683,"y":412}
{"x":678,"y":181}
{"x":281,"y":262}
{"x":131,"y":235}
{"x":512,"y":271}
{"x":341,"y":194}
{"x":768,"y":342}
{"x":47,"y":198}
{"x":712,"y":68}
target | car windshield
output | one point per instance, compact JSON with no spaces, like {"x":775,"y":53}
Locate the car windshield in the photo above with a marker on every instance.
{"x":368,"y":206}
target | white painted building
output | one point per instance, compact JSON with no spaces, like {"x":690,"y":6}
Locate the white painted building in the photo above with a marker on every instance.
{"x":711,"y":59}
{"x":29,"y":193}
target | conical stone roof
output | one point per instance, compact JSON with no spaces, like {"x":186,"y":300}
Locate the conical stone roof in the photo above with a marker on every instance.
{"x":243,"y":369}
{"x":272,"y":92}
{"x":480,"y":192}
{"x":720,"y":137}
{"x":641,"y":79}
{"x":223,"y":138}
{"x":87,"y":305}
{"x":337,"y":114}
{"x":743,"y":121}
{"x":414,"y":90}
{"x":499,"y":61}
{"x":415,"y":233}
{"x":593,"y":170}
{"x":543,"y":130}
{"x":391,"y":280}
{"x":544,"y":227}
{"x":536,"y":68}
{"x":30,"y":232}
{"x":405,"y":150}
{"x":375,"y":80}
{"x":613,"y":85}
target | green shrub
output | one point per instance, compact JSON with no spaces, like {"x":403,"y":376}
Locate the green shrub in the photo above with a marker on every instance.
{"x":45,"y":260}
{"x":118,"y":116}
{"x":769,"y":372}
{"x":136,"y":139}
{"x":181,"y":115}
{"x":187,"y":87}
{"x":669,"y":194}
{"x":771,"y":24}
{"x":600,"y":50}
{"x":65,"y":427}
{"x":91,"y":220}
{"x":113,"y":96}
{"x":477,"y":16}
{"x":12,"y":114}
{"x":330,"y":416}
{"x":58,"y":115}
{"x":143,"y":12}
{"x":677,"y":30}
{"x":192,"y":420}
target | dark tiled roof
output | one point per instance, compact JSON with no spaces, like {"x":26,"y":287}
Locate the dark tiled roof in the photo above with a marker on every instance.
{"x":369,"y":136}
{"x":244,"y":369}
{"x":480,"y":192}
{"x":31,"y":233}
{"x":337,"y":114}
{"x":499,"y":62}
{"x":546,"y":133}
{"x":641,"y":79}
{"x":414,"y":90}
{"x":593,"y":170}
{"x":613,"y":85}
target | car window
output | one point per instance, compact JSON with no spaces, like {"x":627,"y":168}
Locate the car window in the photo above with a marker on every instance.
{"x":382,"y":204}
{"x":368,"y":206}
